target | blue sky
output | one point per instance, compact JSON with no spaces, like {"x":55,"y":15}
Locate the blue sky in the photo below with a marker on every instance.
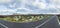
{"x":9,"y":7}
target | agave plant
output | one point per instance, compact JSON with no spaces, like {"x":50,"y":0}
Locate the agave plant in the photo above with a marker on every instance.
{"x":25,"y":18}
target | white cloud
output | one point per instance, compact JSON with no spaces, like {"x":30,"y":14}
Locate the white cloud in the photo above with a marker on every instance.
{"x":12,"y":5}
{"x":5,"y":1}
{"x":51,"y":6}
{"x":42,"y":1}
{"x":58,"y":6}
{"x":23,"y":8}
{"x":53,"y":1}
{"x":42,"y":5}
{"x":58,"y":1}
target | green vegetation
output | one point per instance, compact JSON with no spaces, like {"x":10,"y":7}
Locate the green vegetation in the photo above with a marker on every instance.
{"x":58,"y":17}
{"x":22,"y":18}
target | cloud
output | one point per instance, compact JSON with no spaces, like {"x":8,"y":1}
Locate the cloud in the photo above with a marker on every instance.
{"x":51,"y":6}
{"x":4,"y":10}
{"x":4,"y":1}
{"x":58,"y":6}
{"x":48,"y":8}
{"x":42,"y":5}
{"x":53,"y":1}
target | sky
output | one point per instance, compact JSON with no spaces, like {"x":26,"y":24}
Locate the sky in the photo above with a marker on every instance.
{"x":9,"y":7}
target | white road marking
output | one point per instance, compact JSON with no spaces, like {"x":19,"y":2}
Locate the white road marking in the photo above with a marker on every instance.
{"x":3,"y":25}
{"x":43,"y":23}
